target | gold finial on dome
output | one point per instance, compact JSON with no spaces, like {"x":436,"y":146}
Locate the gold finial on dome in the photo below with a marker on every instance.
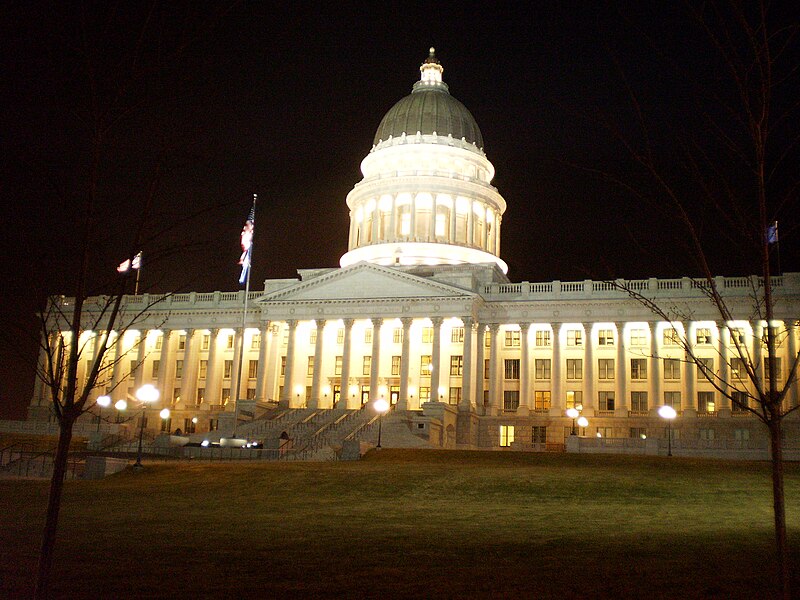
{"x":431,"y":69}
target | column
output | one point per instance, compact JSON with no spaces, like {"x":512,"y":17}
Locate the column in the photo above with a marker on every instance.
{"x":557,"y":393}
{"x":432,"y":232}
{"x":723,"y":341}
{"x":141,"y":354}
{"x":350,"y":400}
{"x":118,"y":390}
{"x":655,"y":370}
{"x":470,"y":226}
{"x":485,"y":240}
{"x":466,"y":403}
{"x":287,"y":395}
{"x":405,"y":362}
{"x":189,"y":380}
{"x":791,"y":378}
{"x":393,"y":221}
{"x":525,"y":404}
{"x":375,"y":361}
{"x":452,"y":238}
{"x":271,"y":372}
{"x":212,"y":372}
{"x":689,"y":367}
{"x":480,"y":345}
{"x":494,"y":385}
{"x":238,"y":352}
{"x":263,"y":359}
{"x":588,"y":371}
{"x":621,"y":391}
{"x":163,"y":368}
{"x":436,"y":359}
{"x":758,"y":352}
{"x":316,"y":376}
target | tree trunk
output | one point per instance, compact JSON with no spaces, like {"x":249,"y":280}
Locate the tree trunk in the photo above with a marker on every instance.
{"x":779,"y":508}
{"x":53,"y":508}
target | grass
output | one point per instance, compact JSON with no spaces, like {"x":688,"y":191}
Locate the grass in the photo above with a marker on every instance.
{"x":408,"y":524}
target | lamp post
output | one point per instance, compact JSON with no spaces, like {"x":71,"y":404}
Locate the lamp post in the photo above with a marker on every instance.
{"x":164,"y":414}
{"x":102,"y":402}
{"x":121,"y":406}
{"x":145,"y":394}
{"x":573,"y":414}
{"x":668,"y":413}
{"x":583,"y":422}
{"x":381,"y":406}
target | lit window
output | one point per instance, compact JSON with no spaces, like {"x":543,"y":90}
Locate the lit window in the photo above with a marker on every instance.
{"x":396,"y":365}
{"x":605,"y":337}
{"x":397,"y":335}
{"x":705,"y":402}
{"x":512,"y":338}
{"x":312,"y":337}
{"x":368,"y":336}
{"x":425,"y":365}
{"x":638,"y":337}
{"x":206,"y":342}
{"x":457,"y":335}
{"x":456,"y":365}
{"x":310,"y":367}
{"x":506,"y":435}
{"x":738,"y":335}
{"x":366,"y":365}
{"x":542,"y":368}
{"x":671,"y":337}
{"x":405,"y":224}
{"x":455,"y":395}
{"x":574,"y":399}
{"x":229,"y":342}
{"x":340,"y":336}
{"x":541,"y":400}
{"x":542,"y":338}
{"x":159,"y":341}
{"x":703,"y":336}
{"x":574,"y":337}
{"x":337,"y":368}
{"x":427,"y":335}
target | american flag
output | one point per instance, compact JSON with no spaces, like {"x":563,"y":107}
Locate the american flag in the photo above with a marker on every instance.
{"x":247,"y":242}
{"x":126,"y":265}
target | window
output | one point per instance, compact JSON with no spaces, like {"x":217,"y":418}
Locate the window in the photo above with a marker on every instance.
{"x":605,"y":432}
{"x":255,"y":341}
{"x":705,"y":366}
{"x":366,"y":365}
{"x":605,"y":368}
{"x":252,"y":369}
{"x":703,"y":336}
{"x":737,"y":335}
{"x":156,"y":367}
{"x":605,"y":337}
{"x":132,"y":366}
{"x":638,"y":337}
{"x":737,"y":368}
{"x":176,"y":395}
{"x":427,"y":335}
{"x":203,"y":371}
{"x":639,"y":401}
{"x":606,"y":400}
{"x":283,"y":366}
{"x":251,"y":393}
{"x":705,"y":402}
{"x":541,"y":400}
{"x":425,"y":365}
{"x":574,"y":337}
{"x":395,"y":365}
{"x":368,"y":336}
{"x":486,"y":368}
{"x":767,"y":375}
{"x":510,"y":399}
{"x":542,"y":368}
{"x":182,"y":342}
{"x":178,"y":369}
{"x":201,"y":395}
{"x":574,"y":368}
{"x":312,"y":337}
{"x":672,"y":368}
{"x":424,"y":394}
{"x":455,"y":395}
{"x":739,"y":402}
{"x":512,"y":338}
{"x":574,"y":399}
{"x":340,"y":335}
{"x":229,"y":342}
{"x":310,"y":367}
{"x":457,"y":335}
{"x":639,"y":368}
{"x":506,"y":435}
{"x":511,"y":368}
{"x":741,"y":435}
{"x":542,"y":338}
{"x":397,"y":335}
{"x":670,"y":337}
{"x":487,"y":340}
{"x":226,"y":395}
{"x":673,"y":399}
{"x":159,"y":341}
{"x":206,"y":343}
{"x":337,"y":366}
{"x":456,"y":365}
{"x":227,"y":368}
{"x":640,"y":433}
{"x":538,"y":434}
{"x":707,"y":434}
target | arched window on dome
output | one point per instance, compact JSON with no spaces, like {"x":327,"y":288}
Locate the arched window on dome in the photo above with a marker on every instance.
{"x":490,"y":231}
{"x":403,"y":224}
{"x":369,"y":221}
{"x":478,"y":225}
{"x":462,"y":220}
{"x":424,"y":209}
{"x":384,"y":217}
{"x":444,"y":205}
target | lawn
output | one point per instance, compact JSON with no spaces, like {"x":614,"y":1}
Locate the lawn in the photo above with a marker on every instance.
{"x":420,"y":524}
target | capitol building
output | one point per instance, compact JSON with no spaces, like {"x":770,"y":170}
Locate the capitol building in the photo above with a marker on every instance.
{"x":421,"y":313}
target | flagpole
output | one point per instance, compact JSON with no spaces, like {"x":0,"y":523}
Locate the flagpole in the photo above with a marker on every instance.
{"x":244,"y":323}
{"x":138,"y":272}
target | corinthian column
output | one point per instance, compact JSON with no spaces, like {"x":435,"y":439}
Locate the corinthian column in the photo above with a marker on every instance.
{"x":315,"y":400}
{"x":405,"y":361}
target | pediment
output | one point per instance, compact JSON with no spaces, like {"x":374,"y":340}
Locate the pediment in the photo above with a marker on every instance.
{"x":365,"y":281}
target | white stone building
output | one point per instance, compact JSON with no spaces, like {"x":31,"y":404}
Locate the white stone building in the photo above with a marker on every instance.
{"x":421,"y":313}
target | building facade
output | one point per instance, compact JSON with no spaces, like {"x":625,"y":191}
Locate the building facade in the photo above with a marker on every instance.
{"x":421,"y":313}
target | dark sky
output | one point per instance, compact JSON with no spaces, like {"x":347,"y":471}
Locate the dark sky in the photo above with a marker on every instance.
{"x":283,"y":99}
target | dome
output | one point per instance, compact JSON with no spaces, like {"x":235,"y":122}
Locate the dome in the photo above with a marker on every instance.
{"x":430,"y":108}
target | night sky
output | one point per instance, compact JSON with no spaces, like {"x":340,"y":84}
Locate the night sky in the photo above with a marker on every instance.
{"x":213,"y":102}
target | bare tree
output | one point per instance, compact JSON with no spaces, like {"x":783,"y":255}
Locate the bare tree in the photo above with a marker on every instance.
{"x":736,"y":176}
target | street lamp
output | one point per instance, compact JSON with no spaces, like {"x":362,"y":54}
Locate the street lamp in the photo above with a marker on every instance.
{"x":164,"y":414}
{"x":573,"y":414}
{"x":102,"y":402}
{"x":668,"y":413}
{"x":584,"y":423}
{"x":120,"y":405}
{"x":145,"y":394}
{"x":381,"y":406}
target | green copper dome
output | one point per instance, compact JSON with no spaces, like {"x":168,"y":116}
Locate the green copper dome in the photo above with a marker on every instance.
{"x":429,"y":108}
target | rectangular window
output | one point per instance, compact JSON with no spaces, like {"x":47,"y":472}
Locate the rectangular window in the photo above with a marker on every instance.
{"x":310,"y":367}
{"x":703,"y":336}
{"x":741,"y":435}
{"x":251,"y":393}
{"x":673,"y":399}
{"x":670,"y":337}
{"x":511,"y":368}
{"x":506,"y":435}
{"x":203,"y":370}
{"x":312,"y":337}
{"x":283,"y":366}
{"x":340,"y":336}
{"x":542,"y":368}
{"x":541,"y":400}
{"x":455,"y":395}
{"x":605,"y":337}
{"x":159,"y":342}
{"x":639,"y":433}
{"x":639,"y":401}
{"x":638,"y":337}
{"x":425,"y":365}
{"x":456,"y":365}
{"x":767,"y":375}
{"x":201,"y":395}
{"x":397,"y":335}
{"x":639,"y":368}
{"x":396,"y":365}
{"x":510,"y":400}
{"x":512,"y":338}
{"x":366,"y":366}
{"x":226,"y":395}
{"x":132,"y":366}
{"x":486,"y":368}
{"x":176,"y":395}
{"x":337,"y":366}
{"x":538,"y":434}
{"x":542,"y":338}
{"x":737,"y":368}
{"x":605,"y":432}
{"x":229,"y":342}
{"x":457,"y":335}
{"x":605,"y":368}
{"x":427,"y":335}
{"x":705,"y":402}
{"x":227,"y":369}
{"x":182,"y":342}
{"x":156,"y":367}
{"x":739,"y":401}
{"x":574,"y":368}
{"x":424,"y":394}
{"x":255,"y":341}
{"x":575,"y":399}
{"x":178,"y":369}
{"x":606,"y":400}
{"x":705,"y":366}
{"x":672,"y":368}
{"x":206,"y":343}
{"x":252,"y":369}
{"x":737,"y":335}
{"x":574,"y":337}
{"x":487,"y":340}
{"x":368,"y":336}
{"x":707,"y":434}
